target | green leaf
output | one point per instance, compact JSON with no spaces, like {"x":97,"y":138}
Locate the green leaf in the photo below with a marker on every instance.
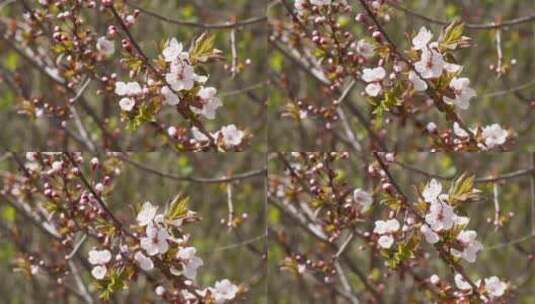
{"x":8,"y":214}
{"x":202,"y":48}
{"x":451,"y":35}
{"x":178,"y":207}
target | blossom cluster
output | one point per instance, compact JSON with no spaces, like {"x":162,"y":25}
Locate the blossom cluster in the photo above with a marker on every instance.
{"x":66,"y":194}
{"x":183,"y":88}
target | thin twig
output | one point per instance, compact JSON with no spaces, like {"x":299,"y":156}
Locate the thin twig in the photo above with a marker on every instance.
{"x":224,"y":25}
{"x":224,"y":179}
{"x":473,"y":26}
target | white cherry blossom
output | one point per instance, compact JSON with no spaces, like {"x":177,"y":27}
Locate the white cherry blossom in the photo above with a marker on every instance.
{"x":423,"y":38}
{"x":362,"y":198}
{"x":232,"y":136}
{"x":210,"y":102}
{"x":373,"y":89}
{"x":418,"y":83}
{"x":99,"y":257}
{"x":190,"y":262}
{"x":385,"y":241}
{"x":470,"y":244}
{"x":159,"y":290}
{"x":127,"y":104}
{"x":431,"y":64}
{"x":181,"y":76}
{"x":430,"y":236}
{"x":364,"y":48}
{"x":374,"y":74}
{"x":170,"y":98}
{"x":495,"y":287}
{"x":388,"y":226}
{"x":432,"y":191}
{"x":143,"y":261}
{"x":461,"y":283}
{"x":434,"y":279}
{"x":431,"y":127}
{"x":198,"y":135}
{"x":320,"y":2}
{"x":440,"y":216}
{"x":223,"y":291}
{"x":99,"y":272}
{"x":156,"y":240}
{"x":458,"y":131}
{"x":127,"y":89}
{"x":146,"y":214}
{"x":463,"y":93}
{"x":494,"y":135}
{"x":174,"y":50}
{"x":105,"y":47}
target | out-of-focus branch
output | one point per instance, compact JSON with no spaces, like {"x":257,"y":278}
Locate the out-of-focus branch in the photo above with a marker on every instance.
{"x":224,"y":179}
{"x":473,"y":26}
{"x":224,"y":25}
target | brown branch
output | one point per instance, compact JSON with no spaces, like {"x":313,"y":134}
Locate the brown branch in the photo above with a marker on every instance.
{"x":223,"y":25}
{"x":224,"y":179}
{"x":473,"y":26}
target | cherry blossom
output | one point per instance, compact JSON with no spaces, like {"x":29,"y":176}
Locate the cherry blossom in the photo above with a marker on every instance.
{"x":174,"y":50}
{"x":143,"y":261}
{"x":430,"y":236}
{"x":156,"y":240}
{"x":99,"y":272}
{"x":223,"y":291}
{"x":363,"y":198}
{"x":431,"y":64}
{"x":470,"y":244}
{"x":127,"y":89}
{"x":432,"y":190}
{"x":159,"y":290}
{"x":374,"y":74}
{"x":431,"y":127}
{"x":458,"y":131}
{"x":170,"y":98}
{"x":422,"y":39}
{"x":127,"y":104}
{"x":232,"y":136}
{"x":189,"y":261}
{"x":440,"y":216}
{"x":385,"y":241}
{"x":463,"y":93}
{"x":147,"y":214}
{"x":388,"y":226}
{"x":198,"y":135}
{"x":364,"y":48}
{"x":495,"y":287}
{"x":181,"y":76}
{"x":320,"y":2}
{"x":434,"y":279}
{"x":418,"y":83}
{"x":373,"y":77}
{"x":105,"y":47}
{"x":97,"y":257}
{"x":461,"y":283}
{"x":210,"y":103}
{"x":494,"y":135}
